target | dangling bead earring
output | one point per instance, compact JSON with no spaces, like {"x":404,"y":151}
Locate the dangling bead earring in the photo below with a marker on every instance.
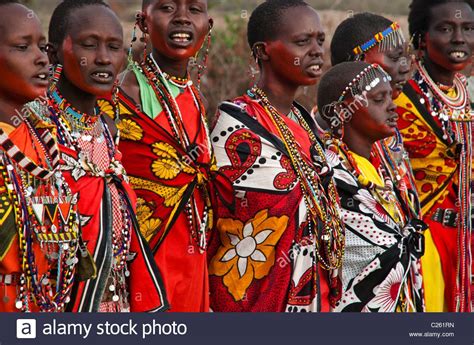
{"x":203,"y":65}
{"x":338,"y":131}
{"x":144,"y":39}
{"x":419,"y":53}
{"x":253,"y":71}
{"x":134,"y":39}
{"x":116,"y":107}
{"x":55,"y":75}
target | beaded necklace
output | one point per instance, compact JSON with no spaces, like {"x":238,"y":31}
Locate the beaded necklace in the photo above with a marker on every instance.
{"x":45,"y":212}
{"x":70,"y":135}
{"x":200,"y":225}
{"x":447,"y":109}
{"x":181,"y":83}
{"x":76,"y":121}
{"x":321,"y":204}
{"x":398,"y":174}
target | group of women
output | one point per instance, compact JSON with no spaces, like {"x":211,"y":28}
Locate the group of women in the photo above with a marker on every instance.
{"x":116,"y":194}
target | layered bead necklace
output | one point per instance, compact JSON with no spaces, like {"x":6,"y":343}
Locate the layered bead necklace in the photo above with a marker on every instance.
{"x":446,"y":109}
{"x":322,"y":205}
{"x":199,"y":224}
{"x":78,"y":122}
{"x":46,"y":213}
{"x":82,"y":133}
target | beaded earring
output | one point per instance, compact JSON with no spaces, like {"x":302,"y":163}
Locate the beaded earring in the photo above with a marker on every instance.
{"x":116,"y":107}
{"x":55,"y":75}
{"x":144,"y":39}
{"x":134,"y":39}
{"x":332,"y":113}
{"x":420,"y":52}
{"x":203,"y":65}
{"x":253,"y":69}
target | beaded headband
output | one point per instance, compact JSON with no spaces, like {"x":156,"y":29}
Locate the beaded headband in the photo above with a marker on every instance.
{"x":365,"y":81}
{"x":390,"y":38}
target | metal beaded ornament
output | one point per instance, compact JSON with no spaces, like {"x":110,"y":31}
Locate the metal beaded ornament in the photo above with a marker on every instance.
{"x":363,"y":82}
{"x":390,"y":38}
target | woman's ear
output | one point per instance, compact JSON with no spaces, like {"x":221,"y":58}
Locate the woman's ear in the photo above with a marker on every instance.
{"x":211,"y":24}
{"x":140,"y":20}
{"x":259,"y":51}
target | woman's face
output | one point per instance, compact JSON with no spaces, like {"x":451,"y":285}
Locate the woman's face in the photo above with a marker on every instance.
{"x":377,"y":118}
{"x":449,"y":41}
{"x":295,"y":56}
{"x":396,"y":62}
{"x":92,"y":53}
{"x":23,"y":60}
{"x":177,"y":28}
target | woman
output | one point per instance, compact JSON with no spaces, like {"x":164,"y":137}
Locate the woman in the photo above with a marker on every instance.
{"x":166,"y":147}
{"x":435,"y":122}
{"x":86,"y":48}
{"x":39,"y":223}
{"x":384,"y":242}
{"x":276,"y":250}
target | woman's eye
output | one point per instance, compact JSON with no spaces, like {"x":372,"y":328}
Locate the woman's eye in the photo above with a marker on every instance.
{"x":22,"y":47}
{"x":303,"y":41}
{"x":167,"y":8}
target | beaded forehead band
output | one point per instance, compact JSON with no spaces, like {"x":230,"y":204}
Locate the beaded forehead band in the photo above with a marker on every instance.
{"x":390,"y":38}
{"x":365,"y":81}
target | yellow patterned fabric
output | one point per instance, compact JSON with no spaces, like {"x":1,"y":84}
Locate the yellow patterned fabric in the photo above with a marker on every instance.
{"x":368,"y":170}
{"x":432,"y":160}
{"x":436,"y":175}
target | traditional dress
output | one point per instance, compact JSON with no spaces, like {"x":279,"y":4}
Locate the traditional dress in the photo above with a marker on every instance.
{"x":169,"y":159}
{"x":127,"y":278}
{"x":395,"y":155}
{"x":277,"y":249}
{"x":39,"y":223}
{"x":437,"y":133}
{"x":384,"y":241}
